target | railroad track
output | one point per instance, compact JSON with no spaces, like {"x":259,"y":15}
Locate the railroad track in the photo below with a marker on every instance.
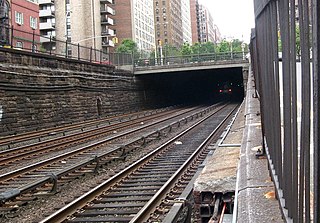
{"x":13,"y":157}
{"x":144,"y":191}
{"x":67,"y":166}
{"x":9,"y":142}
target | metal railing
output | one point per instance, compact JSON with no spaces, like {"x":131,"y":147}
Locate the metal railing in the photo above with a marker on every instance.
{"x":189,"y":59}
{"x":286,"y":87}
{"x":50,"y":45}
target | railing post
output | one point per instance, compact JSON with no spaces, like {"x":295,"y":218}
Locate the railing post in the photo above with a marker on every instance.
{"x":132,"y":57}
{"x":78,"y":51}
{"x":12,"y":36}
{"x":90,"y":54}
{"x":100,"y":56}
{"x":66,"y":48}
{"x":32,"y":47}
{"x":50,"y":49}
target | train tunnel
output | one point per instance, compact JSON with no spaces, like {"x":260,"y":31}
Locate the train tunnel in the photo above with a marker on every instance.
{"x":193,"y":87}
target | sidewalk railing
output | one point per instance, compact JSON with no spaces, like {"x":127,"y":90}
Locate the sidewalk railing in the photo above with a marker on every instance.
{"x":287,"y":87}
{"x":189,"y":59}
{"x":33,"y":42}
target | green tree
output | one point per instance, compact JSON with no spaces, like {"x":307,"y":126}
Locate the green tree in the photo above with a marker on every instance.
{"x":236,"y":45}
{"x":127,"y":46}
{"x":196,"y":48}
{"x":223,"y":47}
{"x":170,"y":51}
{"x":186,"y":49}
{"x":207,"y":47}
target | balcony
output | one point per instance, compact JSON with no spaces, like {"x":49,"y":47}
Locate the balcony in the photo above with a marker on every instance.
{"x":46,"y":13}
{"x":107,"y":10}
{"x":46,"y":39}
{"x":107,"y":21}
{"x":107,"y":43}
{"x":46,"y":2}
{"x":47,"y":26}
{"x":107,"y":32}
{"x":106,"y":1}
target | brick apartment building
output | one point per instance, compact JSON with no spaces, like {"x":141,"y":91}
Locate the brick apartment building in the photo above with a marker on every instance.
{"x":24,"y":21}
{"x":194,"y":11}
{"x":168,"y":21}
{"x":202,"y":24}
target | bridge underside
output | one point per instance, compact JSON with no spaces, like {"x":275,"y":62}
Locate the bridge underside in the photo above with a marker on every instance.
{"x":193,"y":87}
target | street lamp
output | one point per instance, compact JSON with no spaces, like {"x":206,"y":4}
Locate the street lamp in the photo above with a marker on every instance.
{"x":243,"y":45}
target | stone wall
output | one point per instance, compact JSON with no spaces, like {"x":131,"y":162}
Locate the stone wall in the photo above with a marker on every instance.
{"x":39,"y":92}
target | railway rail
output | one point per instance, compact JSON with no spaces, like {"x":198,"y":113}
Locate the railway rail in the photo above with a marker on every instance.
{"x":85,"y":159}
{"x":144,"y":191}
{"x":14,"y":156}
{"x":11,"y":141}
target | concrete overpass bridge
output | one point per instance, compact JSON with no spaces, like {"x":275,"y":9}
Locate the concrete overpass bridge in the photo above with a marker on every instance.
{"x":191,"y":63}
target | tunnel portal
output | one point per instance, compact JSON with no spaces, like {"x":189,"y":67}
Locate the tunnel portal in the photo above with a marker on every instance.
{"x":193,"y":87}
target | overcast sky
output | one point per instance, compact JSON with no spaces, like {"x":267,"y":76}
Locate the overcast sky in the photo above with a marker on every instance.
{"x":234,"y":17}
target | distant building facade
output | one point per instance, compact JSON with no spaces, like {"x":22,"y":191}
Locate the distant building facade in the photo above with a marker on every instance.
{"x":206,"y":25}
{"x":135,"y":20}
{"x":47,"y":24}
{"x":186,"y":21}
{"x":217,"y":33}
{"x":76,"y":23}
{"x":194,"y":12}
{"x":25,"y":22}
{"x":168,"y":23}
{"x":203,"y":27}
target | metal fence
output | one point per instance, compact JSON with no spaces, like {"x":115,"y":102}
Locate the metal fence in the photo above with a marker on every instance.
{"x":192,"y":58}
{"x":33,"y":42}
{"x":284,"y":52}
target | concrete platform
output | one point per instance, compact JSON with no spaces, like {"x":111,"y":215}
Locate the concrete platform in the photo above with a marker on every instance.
{"x":234,"y":167}
{"x":256,"y":191}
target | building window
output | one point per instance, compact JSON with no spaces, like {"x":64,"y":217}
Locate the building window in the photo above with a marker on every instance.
{"x":19,"y":18}
{"x":19,"y":44}
{"x":33,"y":22}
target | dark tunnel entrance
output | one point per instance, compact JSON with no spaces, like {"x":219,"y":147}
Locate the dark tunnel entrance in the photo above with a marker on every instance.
{"x":193,"y":87}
